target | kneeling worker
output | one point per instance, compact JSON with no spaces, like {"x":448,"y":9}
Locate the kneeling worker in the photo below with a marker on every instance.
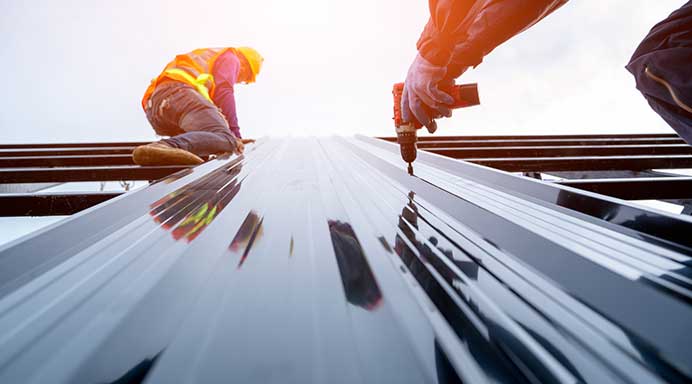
{"x":192,"y":101}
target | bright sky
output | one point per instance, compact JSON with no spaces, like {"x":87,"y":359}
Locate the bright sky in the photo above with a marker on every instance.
{"x":75,"y":70}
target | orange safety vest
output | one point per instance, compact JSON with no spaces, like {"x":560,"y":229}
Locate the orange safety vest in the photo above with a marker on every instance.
{"x":193,"y":68}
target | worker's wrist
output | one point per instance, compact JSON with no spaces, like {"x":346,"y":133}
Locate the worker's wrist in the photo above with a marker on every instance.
{"x":435,"y":54}
{"x":442,"y":50}
{"x":435,"y":47}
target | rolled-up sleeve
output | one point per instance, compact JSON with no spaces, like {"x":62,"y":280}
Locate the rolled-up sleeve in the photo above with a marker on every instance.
{"x":662,"y":69}
{"x":464,"y":31}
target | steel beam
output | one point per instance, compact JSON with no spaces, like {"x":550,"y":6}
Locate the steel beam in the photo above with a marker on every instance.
{"x":63,"y":161}
{"x":45,"y":152}
{"x":543,"y":140}
{"x":546,"y":142}
{"x":621,"y":174}
{"x":564,"y":151}
{"x":541,"y":137}
{"x":72,"y":145}
{"x":20,"y":204}
{"x":43,"y":175}
{"x":591,"y":163}
{"x":644,"y":188}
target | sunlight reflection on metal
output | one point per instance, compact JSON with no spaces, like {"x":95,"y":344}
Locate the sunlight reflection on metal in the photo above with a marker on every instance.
{"x":187,"y":211}
{"x":248,"y":233}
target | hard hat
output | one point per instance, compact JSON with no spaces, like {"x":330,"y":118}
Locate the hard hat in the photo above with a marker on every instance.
{"x":254,"y":59}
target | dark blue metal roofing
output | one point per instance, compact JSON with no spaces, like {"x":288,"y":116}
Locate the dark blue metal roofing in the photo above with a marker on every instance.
{"x":321,"y":260}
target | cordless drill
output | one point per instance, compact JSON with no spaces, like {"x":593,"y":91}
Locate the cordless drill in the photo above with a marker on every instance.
{"x":465,"y":95}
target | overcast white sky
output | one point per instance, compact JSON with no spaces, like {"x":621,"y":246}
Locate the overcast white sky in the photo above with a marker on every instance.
{"x":76,"y":70}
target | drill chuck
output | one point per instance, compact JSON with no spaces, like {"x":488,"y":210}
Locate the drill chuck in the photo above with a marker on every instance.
{"x":407,"y":143}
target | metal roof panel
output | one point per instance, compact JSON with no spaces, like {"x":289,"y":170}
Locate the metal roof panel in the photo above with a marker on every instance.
{"x":321,"y":260}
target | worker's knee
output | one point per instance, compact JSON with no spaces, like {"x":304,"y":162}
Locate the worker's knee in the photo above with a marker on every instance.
{"x":206,"y":119}
{"x":228,"y":137}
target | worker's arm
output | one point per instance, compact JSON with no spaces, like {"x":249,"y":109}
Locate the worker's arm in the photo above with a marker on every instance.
{"x":662,"y":68}
{"x":472,"y":29}
{"x":458,"y":35}
{"x":225,"y":73}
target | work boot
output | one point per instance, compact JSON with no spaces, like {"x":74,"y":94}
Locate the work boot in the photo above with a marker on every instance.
{"x":160,"y":153}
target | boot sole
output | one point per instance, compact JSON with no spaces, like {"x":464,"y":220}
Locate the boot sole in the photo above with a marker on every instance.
{"x":148,"y":155}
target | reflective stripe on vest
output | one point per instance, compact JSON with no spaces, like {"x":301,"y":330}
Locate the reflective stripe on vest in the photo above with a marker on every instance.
{"x":199,"y":83}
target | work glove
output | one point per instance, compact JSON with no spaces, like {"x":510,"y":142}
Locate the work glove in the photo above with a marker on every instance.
{"x":239,"y":146}
{"x":422,"y":96}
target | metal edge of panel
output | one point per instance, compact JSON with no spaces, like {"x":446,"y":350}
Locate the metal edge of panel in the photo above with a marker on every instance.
{"x":666,"y":229}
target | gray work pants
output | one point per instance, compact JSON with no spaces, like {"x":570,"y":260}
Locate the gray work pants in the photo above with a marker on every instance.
{"x":194,"y":123}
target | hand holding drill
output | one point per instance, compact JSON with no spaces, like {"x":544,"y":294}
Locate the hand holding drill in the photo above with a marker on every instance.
{"x":422,"y":99}
{"x":419,"y":101}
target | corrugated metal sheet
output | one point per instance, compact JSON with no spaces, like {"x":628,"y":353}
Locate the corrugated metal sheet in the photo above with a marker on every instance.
{"x":321,"y":260}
